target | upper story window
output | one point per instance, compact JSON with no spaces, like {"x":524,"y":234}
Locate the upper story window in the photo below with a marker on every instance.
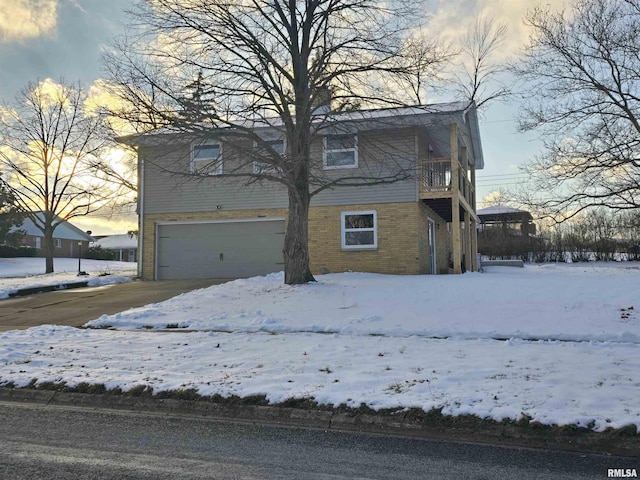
{"x":340,"y":151}
{"x":278,"y":146}
{"x":359,"y":230}
{"x":206,"y":159}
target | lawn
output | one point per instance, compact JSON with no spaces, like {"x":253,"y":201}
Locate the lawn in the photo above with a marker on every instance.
{"x":557,"y":344}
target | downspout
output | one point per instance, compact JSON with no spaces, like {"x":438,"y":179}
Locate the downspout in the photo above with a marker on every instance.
{"x":140,"y":211}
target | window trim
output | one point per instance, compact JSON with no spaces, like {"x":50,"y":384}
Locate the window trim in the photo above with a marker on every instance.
{"x":219,"y":167}
{"x":58,"y":242}
{"x":344,"y":231}
{"x":326,"y":150}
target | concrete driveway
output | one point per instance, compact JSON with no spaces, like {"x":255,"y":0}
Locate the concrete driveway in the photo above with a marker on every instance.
{"x":76,"y":307}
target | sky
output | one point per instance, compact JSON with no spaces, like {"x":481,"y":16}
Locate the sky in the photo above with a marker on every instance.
{"x":56,"y":39}
{"x":572,"y":359}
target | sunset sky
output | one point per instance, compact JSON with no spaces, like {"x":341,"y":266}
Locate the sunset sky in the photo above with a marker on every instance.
{"x":64,"y":39}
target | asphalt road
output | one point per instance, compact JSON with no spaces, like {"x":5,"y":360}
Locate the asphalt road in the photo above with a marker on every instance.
{"x":53,"y":442}
{"x":76,"y":307}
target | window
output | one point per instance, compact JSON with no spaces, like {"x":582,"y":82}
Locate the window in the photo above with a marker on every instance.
{"x":359,"y":230}
{"x":278,"y":146}
{"x":340,"y":151}
{"x":206,"y":159}
{"x":38,"y":242}
{"x":58,"y":243}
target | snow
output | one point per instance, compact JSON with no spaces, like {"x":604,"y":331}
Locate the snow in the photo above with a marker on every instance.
{"x":557,"y":343}
{"x":499,"y":210}
{"x":18,"y":273}
{"x":117,"y":242}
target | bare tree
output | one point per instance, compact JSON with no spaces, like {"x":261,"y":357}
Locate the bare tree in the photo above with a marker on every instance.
{"x":204,"y":67}
{"x":582,"y":73}
{"x":479,"y":73}
{"x":470,"y":66}
{"x":423,"y":63}
{"x":49,"y":158}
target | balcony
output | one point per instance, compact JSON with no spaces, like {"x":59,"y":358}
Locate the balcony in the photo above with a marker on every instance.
{"x":435,"y":182}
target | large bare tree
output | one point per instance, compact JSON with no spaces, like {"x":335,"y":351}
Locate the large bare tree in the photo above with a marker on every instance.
{"x":582,"y":73}
{"x":199,"y":66}
{"x":50,"y":157}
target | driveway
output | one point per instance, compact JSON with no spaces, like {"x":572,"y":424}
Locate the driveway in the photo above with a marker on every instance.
{"x":76,"y":307}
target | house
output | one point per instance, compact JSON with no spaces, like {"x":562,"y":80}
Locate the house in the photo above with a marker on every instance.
{"x":211,"y":226}
{"x":125,"y":246}
{"x":68,"y":240}
{"x":506,"y":232}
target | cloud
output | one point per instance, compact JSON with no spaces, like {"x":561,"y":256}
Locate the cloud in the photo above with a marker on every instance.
{"x":24,"y":19}
{"x":454,"y":18}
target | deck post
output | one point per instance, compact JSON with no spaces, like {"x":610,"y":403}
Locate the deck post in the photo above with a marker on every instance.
{"x":468,"y":247}
{"x":474,"y":245}
{"x":456,"y":237}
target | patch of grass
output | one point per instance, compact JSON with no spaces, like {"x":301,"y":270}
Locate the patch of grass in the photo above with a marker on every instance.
{"x":308,"y":403}
{"x":182,"y":394}
{"x":140,"y":391}
{"x":626,"y":431}
{"x":84,"y":387}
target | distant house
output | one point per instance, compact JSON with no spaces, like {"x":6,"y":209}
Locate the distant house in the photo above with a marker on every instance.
{"x":125,"y":246}
{"x":68,"y":240}
{"x":506,"y":232}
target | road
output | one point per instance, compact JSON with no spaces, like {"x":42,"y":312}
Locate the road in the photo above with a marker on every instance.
{"x":76,"y":307}
{"x":54,"y":442}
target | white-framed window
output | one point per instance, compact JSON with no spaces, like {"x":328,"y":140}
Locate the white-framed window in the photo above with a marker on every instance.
{"x":359,"y":230}
{"x":206,"y":158}
{"x":58,"y":243}
{"x":278,"y":147}
{"x":340,"y":151}
{"x":38,"y":242}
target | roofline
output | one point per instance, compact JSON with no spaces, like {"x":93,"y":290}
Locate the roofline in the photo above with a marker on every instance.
{"x":445,"y":108}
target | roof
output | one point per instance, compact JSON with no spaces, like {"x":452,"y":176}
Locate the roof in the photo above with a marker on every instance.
{"x":64,"y":230}
{"x":437,"y":117}
{"x":117,"y":242}
{"x":497,"y":212}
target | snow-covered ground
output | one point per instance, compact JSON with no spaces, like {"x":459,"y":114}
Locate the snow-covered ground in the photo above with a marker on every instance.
{"x":17,"y":273}
{"x":557,"y":343}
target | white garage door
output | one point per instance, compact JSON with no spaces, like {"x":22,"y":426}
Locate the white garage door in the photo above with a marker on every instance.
{"x":219,"y":250}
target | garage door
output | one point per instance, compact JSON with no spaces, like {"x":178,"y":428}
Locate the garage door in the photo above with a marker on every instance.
{"x":219,"y":250}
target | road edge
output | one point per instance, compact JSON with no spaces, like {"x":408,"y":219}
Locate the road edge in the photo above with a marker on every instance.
{"x":428,"y":425}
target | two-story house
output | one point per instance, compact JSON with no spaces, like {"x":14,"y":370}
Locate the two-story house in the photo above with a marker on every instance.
{"x":215,"y":226}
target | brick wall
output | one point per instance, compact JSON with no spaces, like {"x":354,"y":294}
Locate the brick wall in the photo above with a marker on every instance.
{"x":401,"y":237}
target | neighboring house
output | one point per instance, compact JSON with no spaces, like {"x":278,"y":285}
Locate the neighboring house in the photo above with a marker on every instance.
{"x":68,"y":240}
{"x":506,"y":232}
{"x":125,"y":246}
{"x":221,"y":227}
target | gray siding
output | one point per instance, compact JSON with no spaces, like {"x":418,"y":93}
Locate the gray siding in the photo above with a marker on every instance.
{"x":168,"y":188}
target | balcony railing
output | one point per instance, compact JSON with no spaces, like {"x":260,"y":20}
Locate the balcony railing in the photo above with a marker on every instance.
{"x":436,"y":176}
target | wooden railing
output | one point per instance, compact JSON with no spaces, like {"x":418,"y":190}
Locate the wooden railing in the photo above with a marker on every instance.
{"x":435,"y":176}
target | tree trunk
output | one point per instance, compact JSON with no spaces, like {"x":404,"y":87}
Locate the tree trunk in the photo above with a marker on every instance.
{"x":48,"y":248}
{"x":296,"y":240}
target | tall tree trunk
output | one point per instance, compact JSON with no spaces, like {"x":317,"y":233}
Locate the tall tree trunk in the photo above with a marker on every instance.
{"x":296,"y":239}
{"x":48,"y":248}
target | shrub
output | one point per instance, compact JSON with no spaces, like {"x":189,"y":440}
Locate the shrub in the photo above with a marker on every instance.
{"x":99,"y":253}
{"x":9,"y":251}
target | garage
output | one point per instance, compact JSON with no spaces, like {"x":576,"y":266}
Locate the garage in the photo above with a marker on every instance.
{"x":226,"y":249}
